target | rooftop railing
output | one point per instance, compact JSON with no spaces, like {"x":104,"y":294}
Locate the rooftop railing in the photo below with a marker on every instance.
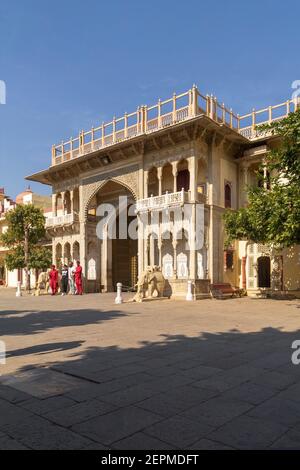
{"x":179,"y":108}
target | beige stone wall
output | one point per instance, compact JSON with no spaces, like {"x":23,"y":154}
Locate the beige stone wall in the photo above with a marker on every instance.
{"x":291,"y":268}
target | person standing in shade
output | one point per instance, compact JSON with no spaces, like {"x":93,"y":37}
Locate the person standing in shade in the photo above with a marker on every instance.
{"x":72,"y":278}
{"x":78,"y":279}
{"x":53,"y":278}
{"x":64,"y":279}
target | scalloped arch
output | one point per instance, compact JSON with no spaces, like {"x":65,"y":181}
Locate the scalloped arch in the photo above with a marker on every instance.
{"x":93,"y":190}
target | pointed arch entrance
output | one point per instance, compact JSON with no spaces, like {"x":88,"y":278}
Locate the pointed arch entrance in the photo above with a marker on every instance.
{"x":115,"y":253}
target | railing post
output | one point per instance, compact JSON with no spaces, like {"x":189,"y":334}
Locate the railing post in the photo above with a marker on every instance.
{"x":114,"y":129}
{"x":223,"y":113}
{"x":174,"y":107}
{"x":125,"y":126}
{"x":80,"y":142}
{"x":215,"y":108}
{"x":83,"y":140}
{"x":62,"y":150}
{"x":138,"y":120}
{"x":103,"y":134}
{"x":92,"y":138}
{"x":270,"y":114}
{"x":71,"y":148}
{"x":238,"y":122}
{"x":53,"y":154}
{"x":145,"y":118}
{"x":159,"y":113}
{"x":211,"y":106}
{"x":195,"y":100}
{"x":207,"y":105}
{"x":190,"y":102}
{"x":231,"y":118}
{"x":253,"y":120}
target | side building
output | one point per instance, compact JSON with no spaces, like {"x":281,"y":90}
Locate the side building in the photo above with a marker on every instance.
{"x":189,"y":149}
{"x":11,"y":278}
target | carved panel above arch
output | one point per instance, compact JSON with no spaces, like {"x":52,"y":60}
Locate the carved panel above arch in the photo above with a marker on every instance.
{"x":129,"y":180}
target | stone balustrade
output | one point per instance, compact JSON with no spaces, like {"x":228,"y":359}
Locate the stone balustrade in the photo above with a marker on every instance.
{"x":163,"y":201}
{"x":60,"y":220}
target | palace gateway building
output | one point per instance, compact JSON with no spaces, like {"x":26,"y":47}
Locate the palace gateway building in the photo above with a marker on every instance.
{"x":174,"y":168}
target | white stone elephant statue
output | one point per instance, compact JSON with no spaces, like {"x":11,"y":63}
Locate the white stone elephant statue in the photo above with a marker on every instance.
{"x":150,"y":281}
{"x":42,"y":283}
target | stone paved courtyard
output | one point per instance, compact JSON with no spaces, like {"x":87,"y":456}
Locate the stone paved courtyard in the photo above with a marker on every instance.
{"x":83,"y":373}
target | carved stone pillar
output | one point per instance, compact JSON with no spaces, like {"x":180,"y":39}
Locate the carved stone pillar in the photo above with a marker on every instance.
{"x":193,"y":253}
{"x":175,"y":173}
{"x":244,"y":277}
{"x":146,"y":180}
{"x":54,"y":205}
{"x":193,"y":169}
{"x":141,"y":242}
{"x":174,"y":243}
{"x":72,"y":201}
{"x":245,"y":184}
{"x":63,"y":202}
{"x":160,"y":252}
{"x":159,"y":177}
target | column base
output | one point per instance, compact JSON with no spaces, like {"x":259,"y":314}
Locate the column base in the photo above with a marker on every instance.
{"x":177,"y":289}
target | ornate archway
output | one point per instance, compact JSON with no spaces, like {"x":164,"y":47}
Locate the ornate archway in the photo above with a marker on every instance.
{"x":89,"y":191}
{"x":115,"y":251}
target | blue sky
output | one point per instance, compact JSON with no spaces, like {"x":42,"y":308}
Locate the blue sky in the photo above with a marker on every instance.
{"x":70,"y":64}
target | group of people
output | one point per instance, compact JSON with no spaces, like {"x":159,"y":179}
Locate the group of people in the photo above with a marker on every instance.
{"x":70,"y":278}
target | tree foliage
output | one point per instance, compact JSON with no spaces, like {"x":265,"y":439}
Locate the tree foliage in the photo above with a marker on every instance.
{"x":25,"y":230}
{"x":20,"y":220}
{"x":40,"y":258}
{"x":273,"y":215}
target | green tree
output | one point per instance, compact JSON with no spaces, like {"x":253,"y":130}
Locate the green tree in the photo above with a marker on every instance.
{"x":25,"y":230}
{"x":273,"y":212}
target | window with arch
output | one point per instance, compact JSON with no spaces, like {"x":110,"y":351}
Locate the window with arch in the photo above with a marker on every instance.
{"x":227,"y":196}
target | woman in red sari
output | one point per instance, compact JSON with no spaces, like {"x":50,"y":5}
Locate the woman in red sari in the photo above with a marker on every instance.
{"x":78,"y":279}
{"x":53,"y":278}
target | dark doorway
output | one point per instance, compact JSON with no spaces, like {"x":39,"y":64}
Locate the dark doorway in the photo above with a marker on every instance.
{"x":124,"y":254}
{"x":183,"y":180}
{"x":264,"y":271}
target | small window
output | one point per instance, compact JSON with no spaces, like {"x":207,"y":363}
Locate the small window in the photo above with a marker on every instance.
{"x":227,"y":195}
{"x":228,"y":265}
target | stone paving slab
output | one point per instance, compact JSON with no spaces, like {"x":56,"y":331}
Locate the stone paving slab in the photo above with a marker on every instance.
{"x":246,"y":432}
{"x":250,"y":393}
{"x":41,"y":383}
{"x":79,"y":413}
{"x":278,"y":410}
{"x":82,"y":373}
{"x":42,"y":407}
{"x":140,"y":441}
{"x":179,"y":431}
{"x":38,"y":433}
{"x":217,"y":411}
{"x":7,"y":443}
{"x":173,"y":402}
{"x":119,"y":424}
